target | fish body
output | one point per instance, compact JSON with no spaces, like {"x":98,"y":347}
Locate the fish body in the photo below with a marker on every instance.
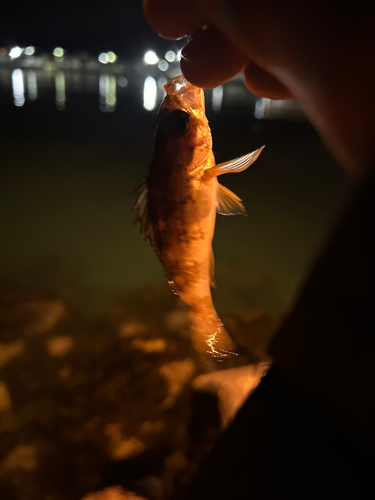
{"x":177,"y":206}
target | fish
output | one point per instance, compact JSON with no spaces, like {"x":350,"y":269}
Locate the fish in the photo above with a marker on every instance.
{"x":176,"y":208}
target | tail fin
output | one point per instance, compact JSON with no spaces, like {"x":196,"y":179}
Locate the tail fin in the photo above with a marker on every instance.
{"x":209,"y":334}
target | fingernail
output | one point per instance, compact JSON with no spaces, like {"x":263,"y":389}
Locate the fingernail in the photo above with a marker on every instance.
{"x":190,"y":48}
{"x":187,"y":51}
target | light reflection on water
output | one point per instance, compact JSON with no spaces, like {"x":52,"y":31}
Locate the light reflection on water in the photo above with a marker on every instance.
{"x":32,"y":86}
{"x":149,"y":93}
{"x":107,"y":92}
{"x":217,"y":98}
{"x":18,"y":87}
{"x":60,"y":90}
{"x":153,"y":92}
{"x":29,"y":85}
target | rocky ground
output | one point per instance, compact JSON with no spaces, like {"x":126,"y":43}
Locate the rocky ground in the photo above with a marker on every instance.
{"x":121,"y":408}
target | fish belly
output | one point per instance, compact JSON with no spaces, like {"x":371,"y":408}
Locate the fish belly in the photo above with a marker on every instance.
{"x":186,"y":262}
{"x":183,"y":228}
{"x":186,"y":259}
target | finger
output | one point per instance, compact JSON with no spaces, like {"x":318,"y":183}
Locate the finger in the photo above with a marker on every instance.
{"x":266,"y":32}
{"x":172,"y":18}
{"x":209,"y":59}
{"x":262,"y":84}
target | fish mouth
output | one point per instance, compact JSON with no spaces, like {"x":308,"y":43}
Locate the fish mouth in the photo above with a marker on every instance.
{"x":183,"y":94}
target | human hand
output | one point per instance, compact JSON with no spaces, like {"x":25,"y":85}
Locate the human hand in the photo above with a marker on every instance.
{"x":210,"y":58}
{"x":308,"y":50}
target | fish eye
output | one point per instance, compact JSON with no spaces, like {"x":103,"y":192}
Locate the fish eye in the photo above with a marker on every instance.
{"x":178,"y":122}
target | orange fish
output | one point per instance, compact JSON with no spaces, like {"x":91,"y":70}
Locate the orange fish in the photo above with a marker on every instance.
{"x":177,"y":205}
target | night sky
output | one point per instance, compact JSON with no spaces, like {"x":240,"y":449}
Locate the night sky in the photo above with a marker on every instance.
{"x":85,"y":25}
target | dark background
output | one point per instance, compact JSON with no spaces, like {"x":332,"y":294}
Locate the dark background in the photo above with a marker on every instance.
{"x":68,"y":175}
{"x":93,"y":26}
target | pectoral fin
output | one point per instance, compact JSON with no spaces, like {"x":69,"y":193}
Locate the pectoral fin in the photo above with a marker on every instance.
{"x":228,"y":203}
{"x":142,"y":215}
{"x":237,"y":165}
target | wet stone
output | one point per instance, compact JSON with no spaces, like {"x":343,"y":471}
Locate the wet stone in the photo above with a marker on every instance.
{"x":113,"y":409}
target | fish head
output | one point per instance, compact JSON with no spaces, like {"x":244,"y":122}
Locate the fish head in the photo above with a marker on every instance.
{"x":182,"y":121}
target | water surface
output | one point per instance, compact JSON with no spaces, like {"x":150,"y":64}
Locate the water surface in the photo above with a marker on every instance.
{"x":74,"y":146}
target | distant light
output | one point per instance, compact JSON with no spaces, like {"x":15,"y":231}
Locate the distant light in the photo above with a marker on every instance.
{"x":122,"y":81}
{"x":261,"y":107}
{"x":29,"y":51}
{"x":163,"y":65}
{"x":102,"y":88}
{"x":150,"y":57}
{"x":170,"y":56}
{"x":32,"y":88}
{"x":15,"y":52}
{"x":178,"y":56}
{"x":60,"y":90}
{"x":217,"y":98}
{"x":111,"y":57}
{"x":110,"y":100}
{"x":58,"y":52}
{"x":149,"y":93}
{"x":107,"y":92}
{"x":18,"y":87}
{"x":103,"y":58}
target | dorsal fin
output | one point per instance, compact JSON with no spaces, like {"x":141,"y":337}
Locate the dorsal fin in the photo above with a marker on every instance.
{"x":228,"y":203}
{"x":142,"y":214}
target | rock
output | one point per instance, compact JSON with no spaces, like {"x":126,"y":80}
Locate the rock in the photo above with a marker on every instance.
{"x":113,"y":493}
{"x":43,"y":315}
{"x":88,"y":404}
{"x":123,"y":448}
{"x":5,"y":401}
{"x":150,"y":487}
{"x":22,"y":457}
{"x":59,"y":346}
{"x":10,"y":351}
{"x":131,"y":328}
{"x":231,"y":387}
{"x":177,"y":375}
{"x":153,"y":345}
{"x":174,"y":466}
